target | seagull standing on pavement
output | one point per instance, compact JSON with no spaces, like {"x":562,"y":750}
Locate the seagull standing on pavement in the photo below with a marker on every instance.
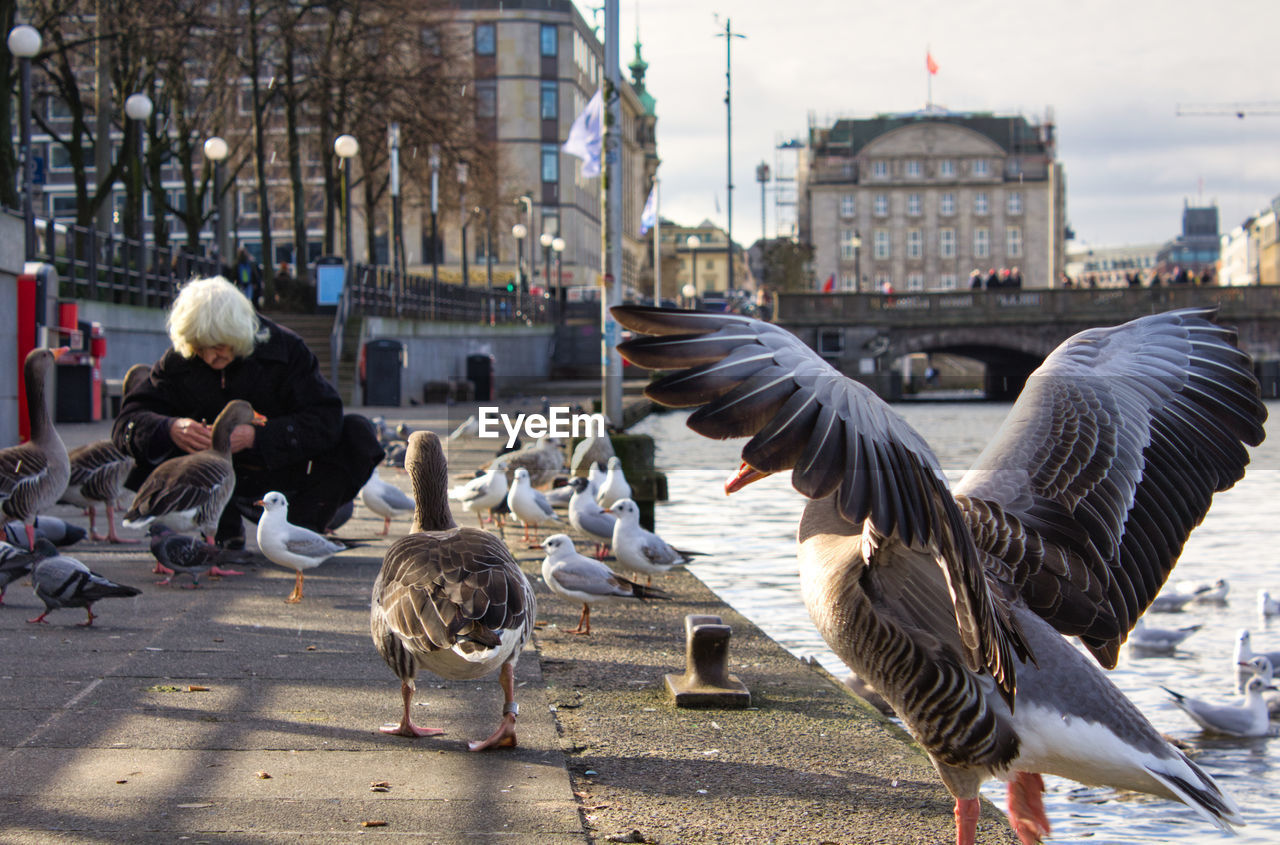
{"x":615,"y":486}
{"x":483,"y":492}
{"x":289,"y":545}
{"x":638,"y":549}
{"x":385,"y":499}
{"x":528,"y":504}
{"x":1248,"y":719}
{"x":586,"y":516}
{"x":61,"y":581}
{"x":579,"y":578}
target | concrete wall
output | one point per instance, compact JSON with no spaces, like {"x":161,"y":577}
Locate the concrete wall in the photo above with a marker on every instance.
{"x":11,"y":246}
{"x":438,"y":352}
{"x":134,"y":335}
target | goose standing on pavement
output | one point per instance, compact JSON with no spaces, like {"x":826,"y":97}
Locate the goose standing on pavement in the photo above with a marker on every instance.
{"x":1245,"y":720}
{"x":385,"y":499}
{"x":61,"y":581}
{"x":289,"y":545}
{"x":639,"y":549}
{"x":528,"y":504}
{"x":579,"y":578}
{"x":33,"y":475}
{"x":957,"y":605}
{"x":188,"y":492}
{"x":587,"y":517}
{"x":614,"y":487}
{"x":449,"y":600}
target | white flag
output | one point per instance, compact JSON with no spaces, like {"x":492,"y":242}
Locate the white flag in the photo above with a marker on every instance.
{"x":586,"y":136}
{"x":649,"y":217}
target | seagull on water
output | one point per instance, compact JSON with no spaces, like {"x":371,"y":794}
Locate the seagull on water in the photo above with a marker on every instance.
{"x":1267,"y":606}
{"x":289,"y":545}
{"x":957,"y":604}
{"x":579,"y":578}
{"x":1158,"y":639}
{"x":1247,"y":719}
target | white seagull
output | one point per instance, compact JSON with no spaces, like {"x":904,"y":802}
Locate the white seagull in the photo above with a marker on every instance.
{"x":588,"y":517}
{"x":580,"y":578}
{"x":1261,"y":667}
{"x":1267,"y":606}
{"x":1170,"y":601}
{"x":956,"y":605}
{"x":1248,"y":719}
{"x":289,"y":545}
{"x":528,"y":504}
{"x":639,"y":549}
{"x":615,"y":486}
{"x":385,"y":499}
{"x":483,"y":492}
{"x":1205,"y":592}
{"x":1244,"y":653}
{"x":1158,"y":639}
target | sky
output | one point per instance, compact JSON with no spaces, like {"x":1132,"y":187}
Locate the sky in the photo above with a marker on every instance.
{"x":1113,"y":74}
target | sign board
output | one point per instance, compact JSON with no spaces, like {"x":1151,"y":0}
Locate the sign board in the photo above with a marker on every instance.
{"x":329,"y":281}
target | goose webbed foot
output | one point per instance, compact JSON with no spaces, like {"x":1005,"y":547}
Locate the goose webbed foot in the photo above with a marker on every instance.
{"x":1026,"y":807}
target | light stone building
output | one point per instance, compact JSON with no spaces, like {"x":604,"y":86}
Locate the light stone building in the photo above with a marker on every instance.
{"x":915,"y":202}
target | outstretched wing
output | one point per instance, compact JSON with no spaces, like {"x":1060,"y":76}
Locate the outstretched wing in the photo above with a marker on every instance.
{"x":840,"y":440}
{"x":1108,"y":459}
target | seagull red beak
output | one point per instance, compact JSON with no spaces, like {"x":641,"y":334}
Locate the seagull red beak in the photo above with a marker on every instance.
{"x":745,"y":475}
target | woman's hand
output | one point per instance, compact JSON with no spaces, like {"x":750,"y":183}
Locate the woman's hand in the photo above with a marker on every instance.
{"x":242,"y":437}
{"x":190,"y":435}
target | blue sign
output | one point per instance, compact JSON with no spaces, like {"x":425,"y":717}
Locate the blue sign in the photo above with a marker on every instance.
{"x":37,"y":170}
{"x":329,"y":281}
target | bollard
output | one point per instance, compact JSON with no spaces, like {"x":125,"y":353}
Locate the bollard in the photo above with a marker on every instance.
{"x":706,"y":681}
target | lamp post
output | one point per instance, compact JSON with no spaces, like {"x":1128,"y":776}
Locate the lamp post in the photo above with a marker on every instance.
{"x":137,"y":107}
{"x":393,"y":147}
{"x":216,"y":150}
{"x":519,"y":231}
{"x":762,"y":176}
{"x":434,"y":161}
{"x":24,"y":42}
{"x":545,"y":239}
{"x":346,"y":147}
{"x":693,"y":242}
{"x":557,"y":245}
{"x":527,"y":202}
{"x":466,"y":218}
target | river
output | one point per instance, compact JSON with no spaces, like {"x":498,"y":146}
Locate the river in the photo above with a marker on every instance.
{"x":751,"y":540}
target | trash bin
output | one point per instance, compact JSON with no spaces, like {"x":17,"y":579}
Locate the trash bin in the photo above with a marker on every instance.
{"x":380,"y":372}
{"x":480,"y":373}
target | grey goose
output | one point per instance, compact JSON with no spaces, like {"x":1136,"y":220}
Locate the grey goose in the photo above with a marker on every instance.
{"x":34,"y":474}
{"x":956,"y":605}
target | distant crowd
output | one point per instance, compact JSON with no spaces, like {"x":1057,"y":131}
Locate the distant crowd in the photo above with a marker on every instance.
{"x":1136,"y":279}
{"x":1005,"y":277}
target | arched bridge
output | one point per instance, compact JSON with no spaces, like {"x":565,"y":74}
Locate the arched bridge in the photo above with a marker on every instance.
{"x":1010,"y":331}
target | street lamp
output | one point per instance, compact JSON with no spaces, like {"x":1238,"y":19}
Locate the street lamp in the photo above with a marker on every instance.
{"x":137,"y":107}
{"x":693,"y":242}
{"x":24,"y":42}
{"x":216,"y":150}
{"x":519,"y":232}
{"x":434,"y":161}
{"x":545,"y":239}
{"x":466,"y":217}
{"x":346,"y":147}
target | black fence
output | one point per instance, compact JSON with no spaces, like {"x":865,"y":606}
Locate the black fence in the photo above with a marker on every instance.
{"x":382,"y":292}
{"x":105,"y":268}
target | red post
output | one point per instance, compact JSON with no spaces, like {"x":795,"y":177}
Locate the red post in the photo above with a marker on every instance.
{"x":26,"y":342}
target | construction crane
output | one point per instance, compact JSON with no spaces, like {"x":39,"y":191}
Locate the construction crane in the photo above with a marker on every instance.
{"x":1262,"y":108}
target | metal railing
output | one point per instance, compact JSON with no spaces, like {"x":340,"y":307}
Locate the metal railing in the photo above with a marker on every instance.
{"x":106,"y":268}
{"x":382,"y":292}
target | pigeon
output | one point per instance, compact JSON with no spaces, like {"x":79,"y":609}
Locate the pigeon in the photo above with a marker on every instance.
{"x":33,"y":475}
{"x":181,"y":554}
{"x":55,"y":529}
{"x":638,"y":549}
{"x":289,"y":545}
{"x":61,"y":581}
{"x":483,"y":492}
{"x":385,"y":499}
{"x":580,"y":578}
{"x":1245,"y":720}
{"x":588,"y":517}
{"x":528,"y":504}
{"x":614,"y":487}
{"x":450,"y":600}
{"x":15,"y":561}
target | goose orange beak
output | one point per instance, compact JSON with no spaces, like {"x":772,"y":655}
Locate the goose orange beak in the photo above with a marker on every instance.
{"x":259,"y":419}
{"x":745,"y":475}
{"x":59,"y":351}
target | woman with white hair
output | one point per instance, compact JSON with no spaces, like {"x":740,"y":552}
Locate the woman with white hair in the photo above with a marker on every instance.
{"x":224,"y":350}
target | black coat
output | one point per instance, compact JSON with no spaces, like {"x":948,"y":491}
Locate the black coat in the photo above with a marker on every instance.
{"x":280,"y":378}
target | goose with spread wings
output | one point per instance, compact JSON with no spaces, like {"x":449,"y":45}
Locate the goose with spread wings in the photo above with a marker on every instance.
{"x":956,"y":604}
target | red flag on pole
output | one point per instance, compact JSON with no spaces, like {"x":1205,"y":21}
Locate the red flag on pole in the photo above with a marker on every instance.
{"x":830,"y":285}
{"x":930,"y":63}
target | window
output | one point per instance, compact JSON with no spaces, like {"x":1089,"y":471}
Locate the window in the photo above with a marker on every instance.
{"x":881,"y":244}
{"x":1013,"y":202}
{"x":486,"y":99}
{"x":59,"y":157}
{"x":915,"y":282}
{"x":912,"y":168}
{"x":1013,"y":241}
{"x":550,"y":163}
{"x":981,"y":167}
{"x":548,"y":40}
{"x":981,"y":242}
{"x":848,"y":281}
{"x":64,"y":206}
{"x":486,"y":39}
{"x":946,"y":243}
{"x":947,"y":168}
{"x":848,"y":244}
{"x":58,"y":109}
{"x":248,"y":203}
{"x":947,"y":204}
{"x":884,"y":283}
{"x":550,"y":101}
{"x":848,"y":205}
{"x":947,"y":281}
{"x":879,"y":169}
{"x":882,"y":205}
{"x":913,"y":205}
{"x":981,"y":204}
{"x":915,"y":243}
